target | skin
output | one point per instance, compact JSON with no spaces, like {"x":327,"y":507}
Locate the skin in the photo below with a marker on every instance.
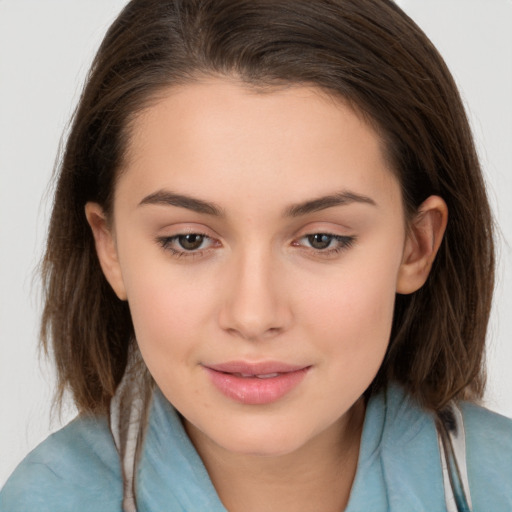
{"x":258,"y":289}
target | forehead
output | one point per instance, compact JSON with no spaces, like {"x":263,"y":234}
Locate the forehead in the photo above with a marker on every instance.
{"x":220,"y":137}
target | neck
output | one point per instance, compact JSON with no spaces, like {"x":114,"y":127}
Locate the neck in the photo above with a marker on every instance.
{"x":317,"y":476}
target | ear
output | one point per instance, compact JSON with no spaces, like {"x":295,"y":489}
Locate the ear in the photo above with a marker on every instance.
{"x":424,"y":236}
{"x":105,"y":247}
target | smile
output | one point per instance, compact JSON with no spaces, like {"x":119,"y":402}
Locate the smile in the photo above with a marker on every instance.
{"x":249,"y":375}
{"x":255,"y":384}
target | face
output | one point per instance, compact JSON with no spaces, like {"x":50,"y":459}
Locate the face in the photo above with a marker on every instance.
{"x":259,"y":239}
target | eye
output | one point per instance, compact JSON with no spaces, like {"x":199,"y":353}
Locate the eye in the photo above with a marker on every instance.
{"x":320,"y":240}
{"x":187,"y":244}
{"x":325,"y":243}
{"x":191,"y":242}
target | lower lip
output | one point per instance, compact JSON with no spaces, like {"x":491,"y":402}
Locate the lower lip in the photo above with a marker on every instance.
{"x":255,"y":391}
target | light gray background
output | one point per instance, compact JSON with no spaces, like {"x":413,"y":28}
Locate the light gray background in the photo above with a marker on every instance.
{"x":45,"y":49}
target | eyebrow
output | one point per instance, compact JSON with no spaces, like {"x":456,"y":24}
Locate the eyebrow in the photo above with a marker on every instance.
{"x":167,"y":198}
{"x":322,"y":203}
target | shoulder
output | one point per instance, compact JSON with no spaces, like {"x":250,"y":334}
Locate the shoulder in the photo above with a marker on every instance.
{"x":485,"y":426}
{"x":76,"y":468}
{"x":488,"y":436}
{"x":489,"y":457}
{"x":406,"y":440}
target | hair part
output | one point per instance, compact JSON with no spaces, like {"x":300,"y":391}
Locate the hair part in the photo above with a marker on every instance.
{"x":365,"y":52}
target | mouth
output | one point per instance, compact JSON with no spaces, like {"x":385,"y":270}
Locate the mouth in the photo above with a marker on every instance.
{"x":250,"y":375}
{"x":255,"y":383}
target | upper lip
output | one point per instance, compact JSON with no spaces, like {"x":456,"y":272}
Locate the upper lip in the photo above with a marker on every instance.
{"x":256,"y":368}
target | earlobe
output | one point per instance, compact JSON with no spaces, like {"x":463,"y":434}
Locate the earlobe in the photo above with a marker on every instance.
{"x":105,"y":248}
{"x":423,"y":240}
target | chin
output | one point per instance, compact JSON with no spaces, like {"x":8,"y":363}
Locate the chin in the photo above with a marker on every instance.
{"x":270,"y":445}
{"x":261,"y":436}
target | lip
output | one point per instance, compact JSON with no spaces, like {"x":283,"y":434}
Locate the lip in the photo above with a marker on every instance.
{"x":255,"y":383}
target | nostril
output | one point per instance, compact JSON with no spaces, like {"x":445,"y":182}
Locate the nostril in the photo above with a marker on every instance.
{"x":253,"y":306}
{"x":254,"y":334}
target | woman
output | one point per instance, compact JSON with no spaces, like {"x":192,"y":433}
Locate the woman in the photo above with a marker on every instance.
{"x":269,"y":271}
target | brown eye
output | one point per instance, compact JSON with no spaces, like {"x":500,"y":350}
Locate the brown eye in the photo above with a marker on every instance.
{"x":320,"y":240}
{"x":191,"y":242}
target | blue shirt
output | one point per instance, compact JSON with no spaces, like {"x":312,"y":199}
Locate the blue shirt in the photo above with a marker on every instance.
{"x":399,"y":469}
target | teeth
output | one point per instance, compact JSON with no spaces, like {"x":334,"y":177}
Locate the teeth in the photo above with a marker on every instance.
{"x":251,"y":375}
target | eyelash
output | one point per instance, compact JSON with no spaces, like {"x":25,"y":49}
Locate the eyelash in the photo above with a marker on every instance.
{"x":343,"y":243}
{"x":167,"y":241}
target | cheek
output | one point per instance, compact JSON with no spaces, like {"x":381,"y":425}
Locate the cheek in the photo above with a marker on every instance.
{"x":351,"y":316}
{"x":166,"y":308}
{"x":168,"y":305}
{"x":168,"y":316}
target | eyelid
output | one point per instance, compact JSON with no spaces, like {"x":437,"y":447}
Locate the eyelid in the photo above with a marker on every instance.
{"x":338,"y":243}
{"x":167,"y":241}
{"x":344,"y":239}
{"x":343,"y":243}
{"x":325,"y":226}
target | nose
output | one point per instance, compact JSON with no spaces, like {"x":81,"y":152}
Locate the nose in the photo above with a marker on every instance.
{"x":255,"y":305}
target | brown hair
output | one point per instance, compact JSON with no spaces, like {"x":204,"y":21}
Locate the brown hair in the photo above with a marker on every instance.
{"x":367,"y":52}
